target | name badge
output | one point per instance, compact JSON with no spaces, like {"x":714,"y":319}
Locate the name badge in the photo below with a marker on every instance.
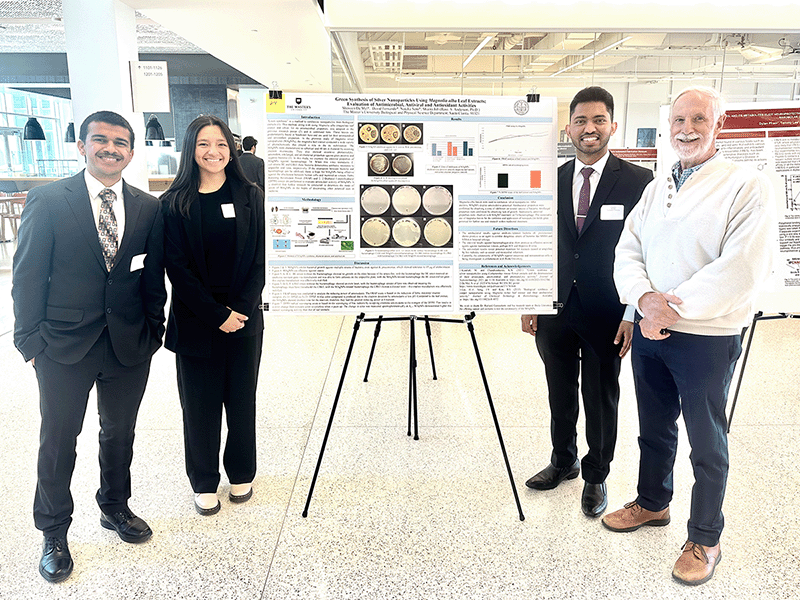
{"x":227,"y":211}
{"x":612,"y":212}
{"x":137,"y":262}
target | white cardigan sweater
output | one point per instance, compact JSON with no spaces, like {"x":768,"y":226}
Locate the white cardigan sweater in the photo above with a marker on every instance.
{"x":711,"y":244}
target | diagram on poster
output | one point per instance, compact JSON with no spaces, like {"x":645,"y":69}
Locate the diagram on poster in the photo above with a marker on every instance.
{"x":410,"y":204}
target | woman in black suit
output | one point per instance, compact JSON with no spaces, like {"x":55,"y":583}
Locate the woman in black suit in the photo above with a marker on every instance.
{"x":214,"y":256}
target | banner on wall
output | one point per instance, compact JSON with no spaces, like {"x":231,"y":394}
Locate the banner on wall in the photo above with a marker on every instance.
{"x":399,"y":204}
{"x":766,"y":135}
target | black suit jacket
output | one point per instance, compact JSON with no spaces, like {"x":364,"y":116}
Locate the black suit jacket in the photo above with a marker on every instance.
{"x":253,"y":167}
{"x":63,"y":295}
{"x":194,"y":314}
{"x":586,"y":261}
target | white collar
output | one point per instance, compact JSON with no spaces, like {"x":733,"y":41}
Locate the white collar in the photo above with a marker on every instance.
{"x":95,"y":186}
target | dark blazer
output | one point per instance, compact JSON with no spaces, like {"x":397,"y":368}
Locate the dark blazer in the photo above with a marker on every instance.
{"x":194,"y":315}
{"x":253,"y":167}
{"x":63,"y":295}
{"x":588,"y":260}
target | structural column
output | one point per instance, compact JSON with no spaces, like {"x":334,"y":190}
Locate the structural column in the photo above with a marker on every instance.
{"x":101,"y":41}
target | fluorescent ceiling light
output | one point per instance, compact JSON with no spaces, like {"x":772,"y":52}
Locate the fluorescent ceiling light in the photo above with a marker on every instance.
{"x":590,"y":57}
{"x":485,"y":41}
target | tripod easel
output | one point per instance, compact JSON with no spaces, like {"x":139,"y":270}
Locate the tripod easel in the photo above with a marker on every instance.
{"x":412,"y":386}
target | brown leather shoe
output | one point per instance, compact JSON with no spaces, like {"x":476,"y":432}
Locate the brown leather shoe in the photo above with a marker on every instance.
{"x":634,"y":516}
{"x":697,"y":563}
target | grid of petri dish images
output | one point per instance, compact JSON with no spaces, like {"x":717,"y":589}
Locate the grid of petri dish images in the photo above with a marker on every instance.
{"x":390,"y":133}
{"x":386,"y":164}
{"x":407,"y":216}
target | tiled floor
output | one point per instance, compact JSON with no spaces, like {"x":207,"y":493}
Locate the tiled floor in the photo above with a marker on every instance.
{"x":394,"y":518}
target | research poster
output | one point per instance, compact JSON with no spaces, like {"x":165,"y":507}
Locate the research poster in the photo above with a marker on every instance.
{"x":396,"y":204}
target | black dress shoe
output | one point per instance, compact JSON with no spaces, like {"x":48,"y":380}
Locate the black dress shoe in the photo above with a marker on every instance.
{"x":594,"y":499}
{"x":128,"y":526}
{"x":550,"y":476}
{"x":56,"y":562}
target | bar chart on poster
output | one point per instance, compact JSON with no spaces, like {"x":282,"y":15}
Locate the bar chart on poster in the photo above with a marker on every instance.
{"x":411,"y":204}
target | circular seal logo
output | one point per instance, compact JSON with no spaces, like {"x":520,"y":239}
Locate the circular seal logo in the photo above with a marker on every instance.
{"x":521,"y":107}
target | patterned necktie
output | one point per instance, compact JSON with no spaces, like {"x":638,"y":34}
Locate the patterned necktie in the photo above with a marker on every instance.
{"x":583,"y":197}
{"x":107,"y":227}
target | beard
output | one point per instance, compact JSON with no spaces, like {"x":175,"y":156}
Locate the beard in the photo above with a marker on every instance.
{"x":693,"y":152}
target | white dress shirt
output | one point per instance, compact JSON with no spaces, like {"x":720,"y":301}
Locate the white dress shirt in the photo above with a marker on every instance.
{"x":594,"y":179}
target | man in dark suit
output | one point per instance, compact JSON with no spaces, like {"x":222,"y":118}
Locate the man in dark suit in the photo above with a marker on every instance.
{"x":588,"y":335}
{"x":89,"y":294}
{"x":252,"y":166}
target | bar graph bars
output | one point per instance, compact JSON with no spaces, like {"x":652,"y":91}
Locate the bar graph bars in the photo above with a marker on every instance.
{"x":452,"y":148}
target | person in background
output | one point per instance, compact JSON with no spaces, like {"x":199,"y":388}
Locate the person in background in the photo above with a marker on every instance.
{"x":89,"y":295}
{"x":252,"y":165}
{"x":214,"y":257}
{"x":588,"y":336}
{"x":691,"y":257}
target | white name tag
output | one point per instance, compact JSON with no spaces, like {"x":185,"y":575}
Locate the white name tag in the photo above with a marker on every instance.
{"x":227,"y":211}
{"x":612,"y":212}
{"x":137,"y":262}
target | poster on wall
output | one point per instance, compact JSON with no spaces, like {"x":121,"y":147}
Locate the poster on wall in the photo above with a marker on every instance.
{"x":398,"y":204}
{"x":766,"y":135}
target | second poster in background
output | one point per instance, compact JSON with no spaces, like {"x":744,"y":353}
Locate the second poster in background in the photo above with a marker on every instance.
{"x":411,"y":204}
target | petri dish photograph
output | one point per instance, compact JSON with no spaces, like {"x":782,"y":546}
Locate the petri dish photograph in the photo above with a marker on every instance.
{"x":406,"y":200}
{"x":438,"y":232}
{"x":375,"y":231}
{"x":375,"y":200}
{"x":368,"y":133}
{"x":390,"y":133}
{"x":406,"y":232}
{"x":412,"y":134}
{"x":379,"y":163}
{"x":437,"y":200}
{"x":401,"y":164}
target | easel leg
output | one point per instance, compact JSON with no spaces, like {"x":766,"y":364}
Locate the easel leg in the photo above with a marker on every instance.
{"x":356,"y":326}
{"x":494,"y":414}
{"x":430,"y":345}
{"x":374,"y":343}
{"x":412,"y":377}
{"x":756,"y":317}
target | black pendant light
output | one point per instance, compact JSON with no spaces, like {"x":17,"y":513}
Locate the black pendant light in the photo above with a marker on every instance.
{"x":70,"y":136}
{"x":154,"y":129}
{"x":33,"y":130}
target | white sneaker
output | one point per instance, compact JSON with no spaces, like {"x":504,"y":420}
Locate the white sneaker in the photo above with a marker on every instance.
{"x":241,"y":492}
{"x":206,"y":504}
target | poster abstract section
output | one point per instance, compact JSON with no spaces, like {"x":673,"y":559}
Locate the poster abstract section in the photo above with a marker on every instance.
{"x":411,"y":204}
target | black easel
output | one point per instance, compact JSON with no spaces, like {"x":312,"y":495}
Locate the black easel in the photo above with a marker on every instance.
{"x":412,"y":386}
{"x":759,"y":316}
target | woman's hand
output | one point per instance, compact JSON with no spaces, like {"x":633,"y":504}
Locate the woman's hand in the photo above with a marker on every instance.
{"x":234,"y":322}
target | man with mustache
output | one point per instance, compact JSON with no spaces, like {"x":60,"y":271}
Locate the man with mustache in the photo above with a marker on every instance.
{"x":588,"y":336}
{"x":691,"y":257}
{"x":89,"y":294}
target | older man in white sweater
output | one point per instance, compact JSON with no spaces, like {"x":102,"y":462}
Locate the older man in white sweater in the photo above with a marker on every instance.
{"x":691,"y":257}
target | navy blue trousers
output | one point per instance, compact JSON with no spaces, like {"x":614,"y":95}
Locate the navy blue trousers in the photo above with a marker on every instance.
{"x":690,"y":374}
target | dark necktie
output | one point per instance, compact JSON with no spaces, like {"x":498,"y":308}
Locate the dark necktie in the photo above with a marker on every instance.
{"x":583,"y":198}
{"x":107,"y":227}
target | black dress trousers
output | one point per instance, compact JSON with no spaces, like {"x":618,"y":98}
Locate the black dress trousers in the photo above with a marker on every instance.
{"x":571,"y":352}
{"x":63,"y":397}
{"x":227,"y":378}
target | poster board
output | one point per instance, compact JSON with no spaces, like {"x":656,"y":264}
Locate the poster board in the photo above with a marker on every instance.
{"x":765,"y":135}
{"x":397,"y":204}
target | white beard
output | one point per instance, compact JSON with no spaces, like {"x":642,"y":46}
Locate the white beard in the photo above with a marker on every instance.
{"x":687,"y":153}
